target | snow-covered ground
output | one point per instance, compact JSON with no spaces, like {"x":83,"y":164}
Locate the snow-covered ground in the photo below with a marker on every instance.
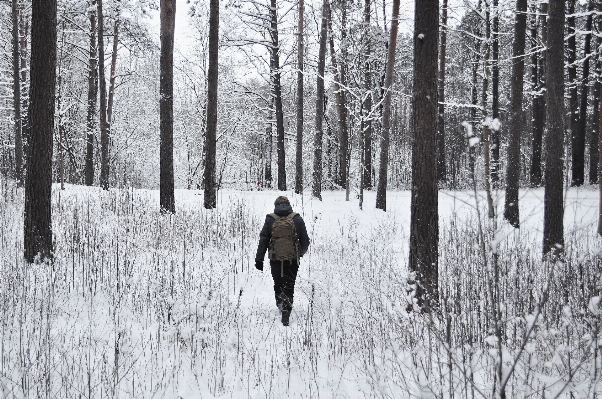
{"x":139,"y":304}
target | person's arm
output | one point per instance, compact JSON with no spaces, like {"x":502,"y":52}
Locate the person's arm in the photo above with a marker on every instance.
{"x":302,"y":234}
{"x":264,"y":239}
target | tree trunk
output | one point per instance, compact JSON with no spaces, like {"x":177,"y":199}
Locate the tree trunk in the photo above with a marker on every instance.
{"x":553,"y":241}
{"x":275,"y":71}
{"x":381,"y":193}
{"x":487,"y":126}
{"x":584,"y":89}
{"x":166,"y":177}
{"x":104,"y":127}
{"x":495,"y":85}
{"x":539,"y":99}
{"x":441,"y":167}
{"x":38,"y":183}
{"x":92,"y":94}
{"x":367,"y":106}
{"x":576,"y":144}
{"x":511,"y":210}
{"x":300,"y":97}
{"x":594,"y":139}
{"x":317,"y":175}
{"x":113,"y":67}
{"x":24,"y":28}
{"x":343,"y":127}
{"x":210,"y":195}
{"x":17,"y":95}
{"x":340,"y":101}
{"x":424,"y":227}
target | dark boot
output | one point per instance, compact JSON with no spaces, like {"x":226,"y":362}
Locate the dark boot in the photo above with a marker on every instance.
{"x":285,"y":317}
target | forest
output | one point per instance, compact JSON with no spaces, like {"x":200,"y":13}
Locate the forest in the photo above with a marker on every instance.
{"x":443,"y":154}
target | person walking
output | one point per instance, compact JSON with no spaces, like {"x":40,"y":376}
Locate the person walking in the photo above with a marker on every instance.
{"x":285,"y":236}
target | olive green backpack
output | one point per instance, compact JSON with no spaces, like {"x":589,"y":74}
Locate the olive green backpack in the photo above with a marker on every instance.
{"x":284,"y":244}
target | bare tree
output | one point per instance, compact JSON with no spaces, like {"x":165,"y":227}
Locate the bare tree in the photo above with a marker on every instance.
{"x":277,"y":88}
{"x":104,"y":126}
{"x":594,"y":148}
{"x":166,"y":178}
{"x":367,"y":103}
{"x":539,"y":99}
{"x":495,"y":92}
{"x":511,"y":212}
{"x":381,"y":193}
{"x":210,"y":195}
{"x":317,"y":173}
{"x":38,"y":182}
{"x":113,"y":67}
{"x":576,"y":144}
{"x":553,"y":240}
{"x":424,"y":224}
{"x":17,"y":94}
{"x":299,"y":148}
{"x":441,"y":170}
{"x":92,"y":94}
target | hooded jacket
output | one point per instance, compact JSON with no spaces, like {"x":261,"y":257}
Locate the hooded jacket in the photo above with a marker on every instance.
{"x":266,"y":232}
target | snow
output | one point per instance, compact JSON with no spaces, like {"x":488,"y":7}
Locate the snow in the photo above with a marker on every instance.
{"x":179,"y":298}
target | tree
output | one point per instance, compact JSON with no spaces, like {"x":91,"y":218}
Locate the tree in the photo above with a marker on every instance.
{"x":104,"y":126}
{"x":441,"y":170}
{"x":553,"y":240}
{"x":17,"y":94}
{"x":92,"y":94}
{"x":275,"y":72}
{"x":210,"y":195}
{"x":381,"y":192}
{"x":166,"y":184}
{"x":424,"y":223}
{"x":367,"y":104}
{"x":511,"y":212}
{"x":594,"y":138}
{"x":317,"y":173}
{"x":299,"y":147}
{"x":38,"y":181}
{"x":495,"y":92}
{"x":539,"y":99}
{"x":571,"y":50}
{"x":114,"y":65}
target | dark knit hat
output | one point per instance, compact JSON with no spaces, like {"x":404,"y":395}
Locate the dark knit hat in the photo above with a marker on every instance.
{"x":281,"y":200}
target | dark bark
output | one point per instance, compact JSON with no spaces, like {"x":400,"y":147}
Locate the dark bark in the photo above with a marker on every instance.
{"x":367,"y":104}
{"x":317,"y":173}
{"x":277,"y":88}
{"x":104,"y":126}
{"x":210,"y":196}
{"x":340,"y":101}
{"x":92,"y":94}
{"x":24,"y":28}
{"x":594,"y":148}
{"x":424,"y":227}
{"x":553,"y":241}
{"x":441,"y":167}
{"x":381,"y":192}
{"x":581,"y":127}
{"x":343,"y":128}
{"x":576,"y":144}
{"x":113,"y":67}
{"x":38,"y":182}
{"x":511,"y":209}
{"x":539,"y":99}
{"x":166,"y":175}
{"x":300,"y":97}
{"x":17,"y":95}
{"x":495,"y":93}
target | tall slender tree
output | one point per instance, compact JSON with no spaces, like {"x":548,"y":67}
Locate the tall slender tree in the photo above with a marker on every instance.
{"x":441,"y":167}
{"x":210,"y":195}
{"x":553,"y":240}
{"x":367,"y":101}
{"x":112,"y":75}
{"x":511,"y":212}
{"x":17,"y":94}
{"x":38,"y":182}
{"x":381,"y":192}
{"x":539,"y":99}
{"x":317,"y":173}
{"x":571,"y":51}
{"x":166,"y":178}
{"x":92,"y":95}
{"x":594,"y":148}
{"x":300,"y":97}
{"x":104,"y":126}
{"x":495,"y":93}
{"x":277,"y":93}
{"x":424,"y":223}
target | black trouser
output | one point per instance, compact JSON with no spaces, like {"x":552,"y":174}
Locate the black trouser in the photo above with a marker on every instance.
{"x":284,"y":275}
